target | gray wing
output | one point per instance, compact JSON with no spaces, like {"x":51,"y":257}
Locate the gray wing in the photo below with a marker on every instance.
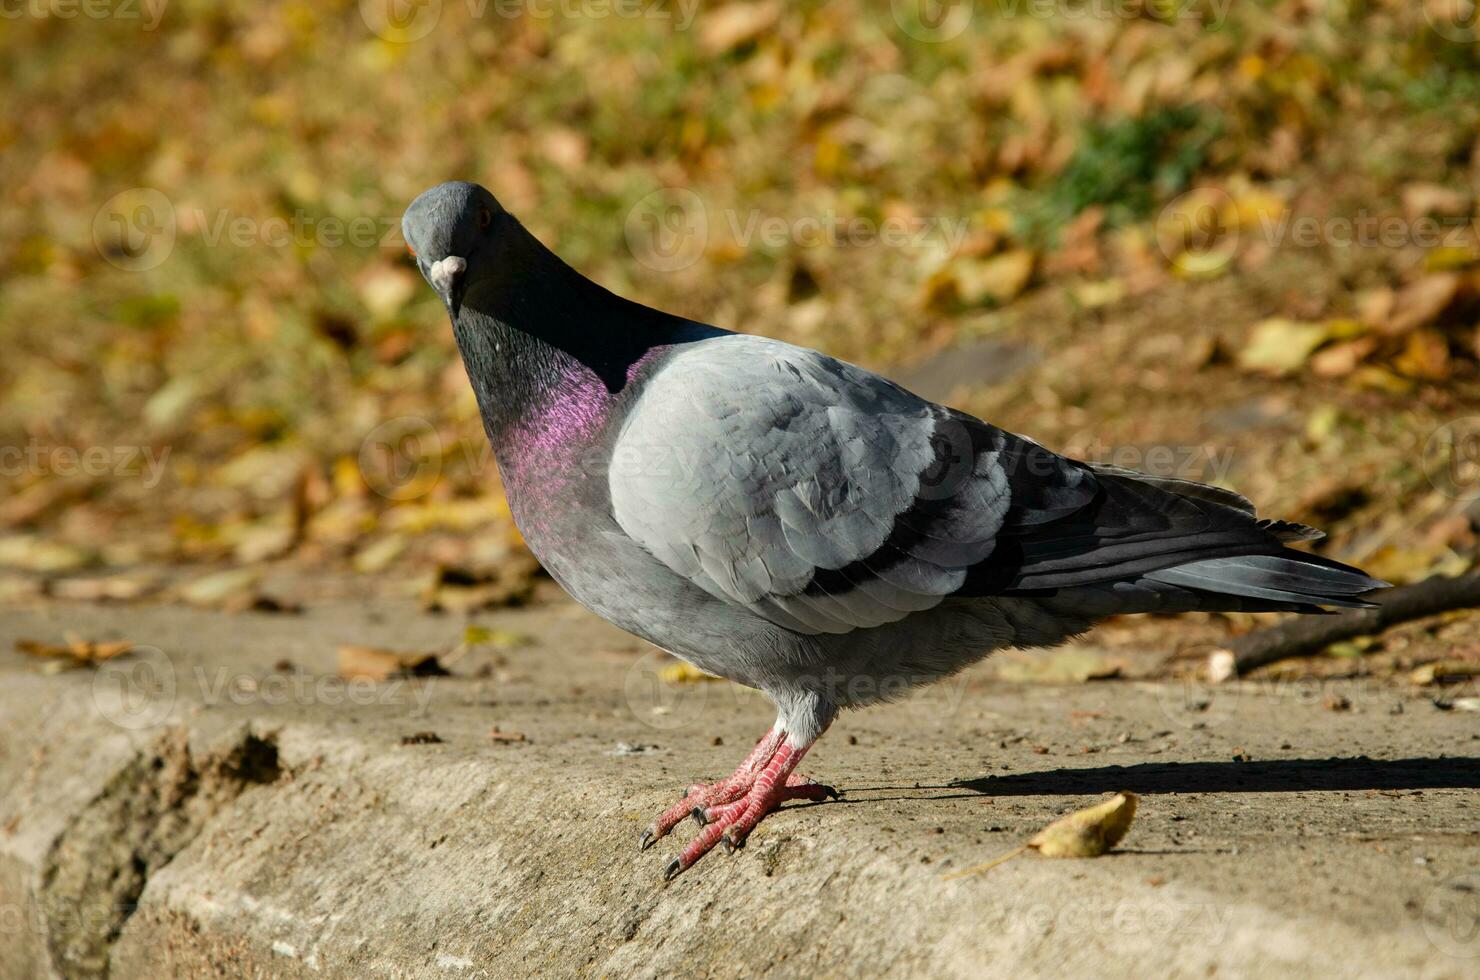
{"x":827,"y":499}
{"x":821,"y":496}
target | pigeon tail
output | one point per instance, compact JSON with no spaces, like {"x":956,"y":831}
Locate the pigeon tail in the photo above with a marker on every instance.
{"x":1289,"y":579}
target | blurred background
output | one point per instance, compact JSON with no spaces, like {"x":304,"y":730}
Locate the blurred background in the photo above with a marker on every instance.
{"x":1231,"y":241}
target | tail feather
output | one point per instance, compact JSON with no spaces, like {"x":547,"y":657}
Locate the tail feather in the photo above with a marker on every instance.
{"x":1151,"y":544}
{"x":1289,"y":577}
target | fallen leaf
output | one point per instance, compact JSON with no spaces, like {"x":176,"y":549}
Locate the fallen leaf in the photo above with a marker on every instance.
{"x":113,"y":588}
{"x":377,"y":556}
{"x":462,"y":590}
{"x":1421,"y":200}
{"x":1083,"y":833}
{"x":1425,"y":355}
{"x":1279,"y":346}
{"x":1421,"y":302}
{"x":995,"y":280}
{"x":734,"y":24}
{"x":78,"y":651}
{"x":684,"y":673}
{"x":1444,"y":672}
{"x":1097,"y":293}
{"x":385,"y":288}
{"x":36,"y":554}
{"x":498,"y":735}
{"x":373,"y":663}
{"x":1089,"y":832}
{"x":1340,"y":360}
{"x":21,"y":588}
{"x":235,"y":587}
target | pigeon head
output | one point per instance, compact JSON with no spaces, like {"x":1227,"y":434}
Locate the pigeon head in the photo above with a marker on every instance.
{"x":453,"y":231}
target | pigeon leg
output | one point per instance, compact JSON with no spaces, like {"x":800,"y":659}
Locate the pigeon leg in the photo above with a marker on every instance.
{"x":733,"y":821}
{"x":703,"y":795}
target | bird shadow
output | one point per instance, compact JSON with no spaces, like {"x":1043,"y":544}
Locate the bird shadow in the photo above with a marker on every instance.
{"x":1357,"y":773}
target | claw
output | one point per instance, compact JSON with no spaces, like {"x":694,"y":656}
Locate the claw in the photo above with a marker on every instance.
{"x":698,"y":814}
{"x":730,"y":846}
{"x":671,"y":872}
{"x":648,"y":838}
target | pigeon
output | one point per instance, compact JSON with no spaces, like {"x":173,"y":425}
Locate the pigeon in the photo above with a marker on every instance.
{"x":799,"y":525}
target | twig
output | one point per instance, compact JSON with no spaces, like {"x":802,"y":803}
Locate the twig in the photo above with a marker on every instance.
{"x":1296,"y":637}
{"x":979,"y":868}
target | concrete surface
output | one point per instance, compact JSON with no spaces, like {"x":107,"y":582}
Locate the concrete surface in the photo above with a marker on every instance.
{"x":224,"y":806}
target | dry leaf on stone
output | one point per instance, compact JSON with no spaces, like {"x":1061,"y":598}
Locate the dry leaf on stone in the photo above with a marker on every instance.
{"x":1444,"y":672}
{"x":375,"y":664}
{"x":1084,"y":833}
{"x":230,"y":588}
{"x":1089,"y":832}
{"x":76,"y":651}
{"x":498,"y":735}
{"x":453,"y":589}
{"x":112,"y":588}
{"x":36,"y":554}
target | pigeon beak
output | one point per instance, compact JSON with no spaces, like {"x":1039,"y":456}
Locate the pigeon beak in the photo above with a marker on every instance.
{"x":445,"y":275}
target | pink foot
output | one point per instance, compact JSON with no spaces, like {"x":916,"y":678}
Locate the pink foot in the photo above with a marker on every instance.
{"x":730,"y":809}
{"x":702,"y":795}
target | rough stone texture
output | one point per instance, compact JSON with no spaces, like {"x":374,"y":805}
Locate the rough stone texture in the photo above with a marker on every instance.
{"x":252,"y":819}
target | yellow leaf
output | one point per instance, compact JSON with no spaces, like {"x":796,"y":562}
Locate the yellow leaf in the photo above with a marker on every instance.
{"x":684,"y":673}
{"x":995,"y":280}
{"x":1089,"y":832}
{"x":1280,"y":346}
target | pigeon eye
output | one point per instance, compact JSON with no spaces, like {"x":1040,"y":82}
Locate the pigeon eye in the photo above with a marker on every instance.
{"x":485,"y":218}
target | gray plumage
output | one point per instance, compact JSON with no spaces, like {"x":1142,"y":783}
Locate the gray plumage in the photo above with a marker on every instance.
{"x":799,"y":524}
